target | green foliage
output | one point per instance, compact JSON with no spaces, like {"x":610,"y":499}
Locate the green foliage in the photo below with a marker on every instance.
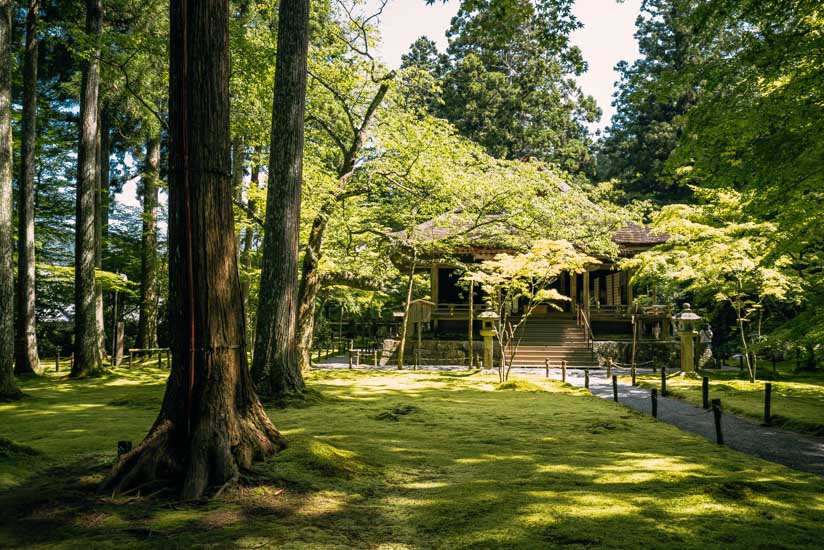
{"x":718,"y":251}
{"x":516,"y":284}
{"x":651,"y":100}
{"x":508,"y":80}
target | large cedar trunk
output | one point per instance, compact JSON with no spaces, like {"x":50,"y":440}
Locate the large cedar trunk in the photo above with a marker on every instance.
{"x":26,"y":359}
{"x":8,"y":389}
{"x":211,"y":425}
{"x":86,"y":337}
{"x":147,"y":323}
{"x":275,"y":364}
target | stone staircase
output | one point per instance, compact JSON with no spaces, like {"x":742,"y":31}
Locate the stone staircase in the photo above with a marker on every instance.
{"x":556,"y":338}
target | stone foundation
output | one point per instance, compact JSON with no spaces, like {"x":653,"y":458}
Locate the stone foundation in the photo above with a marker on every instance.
{"x":431,"y":352}
{"x":661,"y":353}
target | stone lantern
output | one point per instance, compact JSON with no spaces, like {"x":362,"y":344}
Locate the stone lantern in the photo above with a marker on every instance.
{"x":687,"y":321}
{"x":488,"y":318}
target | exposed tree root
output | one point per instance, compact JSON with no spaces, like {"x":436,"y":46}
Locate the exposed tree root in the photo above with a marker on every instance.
{"x":220,"y":448}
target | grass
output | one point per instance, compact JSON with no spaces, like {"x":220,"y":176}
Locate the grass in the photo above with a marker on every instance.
{"x":797,"y":401}
{"x":404,"y":460}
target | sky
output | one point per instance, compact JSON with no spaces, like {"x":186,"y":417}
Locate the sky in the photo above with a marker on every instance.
{"x":606,"y":39}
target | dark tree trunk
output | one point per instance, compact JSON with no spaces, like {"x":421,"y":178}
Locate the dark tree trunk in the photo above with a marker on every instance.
{"x":147,"y":323}
{"x":275,"y":364}
{"x":8,"y":388}
{"x":86,"y":337}
{"x":26,"y":359}
{"x":211,"y":425}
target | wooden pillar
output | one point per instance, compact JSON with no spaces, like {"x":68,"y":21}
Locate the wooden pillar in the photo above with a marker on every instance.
{"x":470,"y":328}
{"x":586,"y":293}
{"x":433,"y":283}
{"x":630,"y":295}
{"x":573,"y":288}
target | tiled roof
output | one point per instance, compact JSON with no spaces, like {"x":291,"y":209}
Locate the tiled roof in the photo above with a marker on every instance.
{"x":634,"y":234}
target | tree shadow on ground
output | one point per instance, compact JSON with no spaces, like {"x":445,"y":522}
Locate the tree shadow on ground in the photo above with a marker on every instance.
{"x":465,"y":467}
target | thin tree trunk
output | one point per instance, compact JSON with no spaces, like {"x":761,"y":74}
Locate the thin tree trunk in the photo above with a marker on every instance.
{"x":211,"y":426}
{"x":8,"y":388}
{"x":310,"y":281}
{"x":147,"y":322}
{"x":405,"y":325}
{"x":86,"y":341}
{"x":275,"y":364}
{"x":249,"y":241}
{"x":26,"y":359}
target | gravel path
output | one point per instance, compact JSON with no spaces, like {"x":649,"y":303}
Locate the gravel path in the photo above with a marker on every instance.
{"x":800,"y":452}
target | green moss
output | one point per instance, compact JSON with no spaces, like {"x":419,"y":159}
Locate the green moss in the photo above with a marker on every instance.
{"x":465,"y":467}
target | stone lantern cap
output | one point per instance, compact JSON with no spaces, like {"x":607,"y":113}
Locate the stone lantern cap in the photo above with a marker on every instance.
{"x":687,"y":314}
{"x":489,"y":313}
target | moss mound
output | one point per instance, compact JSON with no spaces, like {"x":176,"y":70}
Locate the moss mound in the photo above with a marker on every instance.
{"x":330,"y":461}
{"x":395,"y":414}
{"x":9,"y":450}
{"x":519,"y":385}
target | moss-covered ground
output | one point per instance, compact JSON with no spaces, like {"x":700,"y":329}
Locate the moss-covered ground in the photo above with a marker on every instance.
{"x":403,"y":460}
{"x":797,"y":401}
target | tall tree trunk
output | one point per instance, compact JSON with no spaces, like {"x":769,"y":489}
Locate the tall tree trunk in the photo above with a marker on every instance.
{"x":8,"y":388}
{"x":86,"y":341}
{"x":275,"y":363}
{"x":237,"y":174}
{"x":26,"y":359}
{"x":103,"y":213}
{"x":211,"y":425}
{"x":147,"y":323}
{"x":99,"y":200}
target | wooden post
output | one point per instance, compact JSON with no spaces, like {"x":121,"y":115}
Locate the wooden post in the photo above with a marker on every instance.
{"x":716,"y":412}
{"x":615,"y":388}
{"x":563,"y":371}
{"x":705,"y":392}
{"x":586,"y":294}
{"x":349,"y":355}
{"x":586,"y":378}
{"x":609,"y":369}
{"x":130,"y":358}
{"x":767,"y":403}
{"x":416,"y":357}
{"x":663,"y":381}
{"x":471,"y":329}
{"x":357,"y":358}
{"x":546,"y":365}
{"x":741,"y":362}
{"x":634,"y":382}
{"x":57,"y":362}
{"x":654,"y":398}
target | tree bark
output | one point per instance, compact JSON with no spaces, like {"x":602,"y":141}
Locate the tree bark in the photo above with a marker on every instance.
{"x":275,"y":363}
{"x":211,"y":425}
{"x":147,"y":322}
{"x":8,"y":388}
{"x":100,"y":319}
{"x":86,"y":337}
{"x":27,"y":361}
